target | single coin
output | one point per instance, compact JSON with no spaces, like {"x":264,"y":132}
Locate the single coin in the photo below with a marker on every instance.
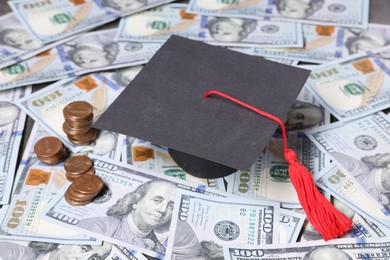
{"x":74,"y":202}
{"x":88,"y":184}
{"x":77,"y":196}
{"x":78,"y":109}
{"x":78,"y":164}
{"x":74,"y":131}
{"x":71,"y":120}
{"x":48,"y":146}
{"x":84,"y":139}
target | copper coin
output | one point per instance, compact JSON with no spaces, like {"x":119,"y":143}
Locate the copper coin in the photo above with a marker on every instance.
{"x":84,"y":139}
{"x":78,"y":196}
{"x":88,"y":184}
{"x":50,"y":161}
{"x":78,"y":109}
{"x":78,"y":120}
{"x":48,"y":146}
{"x":74,"y":202}
{"x":73,"y":176}
{"x":78,"y":164}
{"x":74,"y":131}
{"x":55,"y":159}
{"x":90,"y":171}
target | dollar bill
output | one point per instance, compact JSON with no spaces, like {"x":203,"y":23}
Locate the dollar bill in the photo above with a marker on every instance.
{"x":361,"y":149}
{"x":95,"y":51}
{"x":99,"y":89}
{"x":12,"y":122}
{"x":348,"y":248}
{"x":355,"y":86}
{"x":201,"y":222}
{"x":291,"y":224}
{"x":347,"y":13}
{"x":16,"y":44}
{"x":156,"y":158}
{"x":328,"y":43}
{"x":145,"y":227}
{"x":348,"y":190}
{"x":49,"y":20}
{"x":268,"y":177}
{"x":41,"y":250}
{"x":35,"y":184}
{"x":160,"y":23}
{"x":361,"y":227}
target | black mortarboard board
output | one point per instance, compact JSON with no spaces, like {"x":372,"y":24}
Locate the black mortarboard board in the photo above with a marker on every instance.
{"x":164,"y":104}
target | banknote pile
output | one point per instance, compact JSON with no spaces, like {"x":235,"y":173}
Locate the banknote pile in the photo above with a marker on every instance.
{"x":68,"y":191}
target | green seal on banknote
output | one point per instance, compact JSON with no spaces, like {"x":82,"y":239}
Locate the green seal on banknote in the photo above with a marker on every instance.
{"x":178,"y":173}
{"x":354,"y":89}
{"x":279,"y":173}
{"x":61,"y":18}
{"x":14,"y":69}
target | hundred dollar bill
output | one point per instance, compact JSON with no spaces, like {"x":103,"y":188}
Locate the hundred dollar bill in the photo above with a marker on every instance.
{"x":348,"y":190}
{"x":328,"y":43}
{"x":35,"y":184}
{"x":201,"y":223}
{"x":134,"y":209}
{"x":16,"y":44}
{"x":51,"y":20}
{"x":361,"y":227}
{"x":160,"y":23}
{"x":95,"y":51}
{"x":347,"y":248}
{"x":148,"y":156}
{"x":268,"y":177}
{"x":12,"y":122}
{"x":347,"y":13}
{"x":355,"y":86}
{"x":99,"y":89}
{"x":361,"y":149}
{"x":40,"y":250}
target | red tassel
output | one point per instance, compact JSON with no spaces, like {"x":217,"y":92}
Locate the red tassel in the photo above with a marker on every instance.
{"x":324,"y":217}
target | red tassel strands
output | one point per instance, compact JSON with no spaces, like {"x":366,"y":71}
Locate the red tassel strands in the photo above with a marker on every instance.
{"x":324,"y":217}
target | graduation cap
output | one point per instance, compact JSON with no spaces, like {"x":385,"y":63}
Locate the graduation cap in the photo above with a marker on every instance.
{"x":210,"y":137}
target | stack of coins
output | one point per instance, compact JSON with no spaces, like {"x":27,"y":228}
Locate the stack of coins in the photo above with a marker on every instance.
{"x":84,"y":189}
{"x":75,"y":166}
{"x":78,"y":123}
{"x":50,"y":150}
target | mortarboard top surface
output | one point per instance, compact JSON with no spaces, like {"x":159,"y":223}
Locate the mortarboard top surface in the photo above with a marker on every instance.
{"x":164,"y":104}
